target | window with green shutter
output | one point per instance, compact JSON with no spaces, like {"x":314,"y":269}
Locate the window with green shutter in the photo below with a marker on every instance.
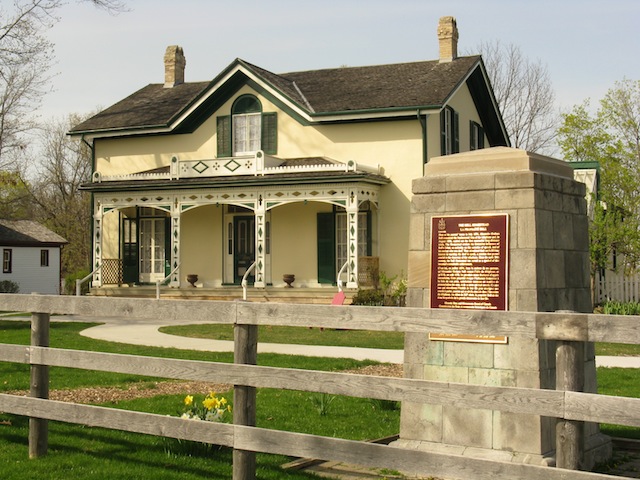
{"x":449,"y":131}
{"x":270,"y":133}
{"x":476,"y":136}
{"x":223,"y":133}
{"x":247,"y":129}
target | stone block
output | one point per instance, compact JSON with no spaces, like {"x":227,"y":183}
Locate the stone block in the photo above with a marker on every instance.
{"x":417,"y":233}
{"x":549,"y":200}
{"x":428,"y":203}
{"x":551,"y":268}
{"x":434,"y":353}
{"x":526,"y":300}
{"x":544,"y":229}
{"x":580,"y":233}
{"x":525,"y":228}
{"x":563,"y":231}
{"x":421,"y":422}
{"x":461,"y":354}
{"x":528,"y":379}
{"x":492,"y":377}
{"x":439,"y":373}
{"x":415,"y":349}
{"x":469,"y":427}
{"x":429,"y":184}
{"x":470,"y":201}
{"x":577,"y":273}
{"x":515,"y":198}
{"x":573,"y":205}
{"x":522,"y":269}
{"x":519,"y":432}
{"x":414,"y":297}
{"x":524,"y":179}
{"x":419,"y":269}
{"x":471,"y":182}
{"x":520,"y":354}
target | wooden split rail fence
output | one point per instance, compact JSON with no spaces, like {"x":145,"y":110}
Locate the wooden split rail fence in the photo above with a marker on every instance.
{"x":569,"y":407}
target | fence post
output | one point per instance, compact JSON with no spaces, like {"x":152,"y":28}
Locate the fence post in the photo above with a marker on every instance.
{"x":570,"y":378}
{"x":244,"y":398}
{"x":39,"y":386}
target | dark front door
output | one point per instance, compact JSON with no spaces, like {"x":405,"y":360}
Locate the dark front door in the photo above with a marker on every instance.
{"x":326,"y":248}
{"x":245,"y":247}
{"x":130,"y":272}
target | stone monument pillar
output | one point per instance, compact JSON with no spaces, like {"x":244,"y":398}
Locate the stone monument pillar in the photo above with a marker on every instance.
{"x":546,"y":269}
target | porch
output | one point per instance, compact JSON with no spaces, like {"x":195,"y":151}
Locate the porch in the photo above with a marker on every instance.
{"x":318,"y":296}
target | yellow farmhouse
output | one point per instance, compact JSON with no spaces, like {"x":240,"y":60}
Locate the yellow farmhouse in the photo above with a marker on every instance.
{"x":305,"y":173}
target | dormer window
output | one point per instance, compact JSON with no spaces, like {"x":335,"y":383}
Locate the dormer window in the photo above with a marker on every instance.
{"x":247,"y":129}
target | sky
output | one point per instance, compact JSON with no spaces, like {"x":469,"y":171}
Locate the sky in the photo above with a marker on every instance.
{"x":586,"y":45}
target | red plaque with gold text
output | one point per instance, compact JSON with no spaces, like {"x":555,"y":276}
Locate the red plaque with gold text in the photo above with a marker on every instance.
{"x":469,"y":261}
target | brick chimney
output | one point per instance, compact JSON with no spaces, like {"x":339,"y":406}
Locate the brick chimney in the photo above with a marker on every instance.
{"x":174,"y":63}
{"x":448,"y":39}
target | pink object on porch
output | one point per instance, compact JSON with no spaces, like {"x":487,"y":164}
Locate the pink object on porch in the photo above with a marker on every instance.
{"x":338,"y":299}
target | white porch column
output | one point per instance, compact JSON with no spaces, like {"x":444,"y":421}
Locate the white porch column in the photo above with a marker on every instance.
{"x":174,"y":281}
{"x":261,"y":235}
{"x":98,"y":216}
{"x":352,"y":238}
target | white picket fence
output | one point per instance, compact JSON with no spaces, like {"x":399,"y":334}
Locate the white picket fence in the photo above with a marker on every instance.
{"x":616,"y":286}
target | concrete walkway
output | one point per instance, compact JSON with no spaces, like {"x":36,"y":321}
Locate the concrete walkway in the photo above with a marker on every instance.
{"x":148,"y":334}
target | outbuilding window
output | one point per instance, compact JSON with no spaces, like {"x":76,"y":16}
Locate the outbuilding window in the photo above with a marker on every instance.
{"x":7,"y":260}
{"x":44,"y":258}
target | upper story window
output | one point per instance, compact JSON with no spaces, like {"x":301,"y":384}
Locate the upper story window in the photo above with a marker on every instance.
{"x":449,"y":131}
{"x":476,"y":136}
{"x":247,"y":130}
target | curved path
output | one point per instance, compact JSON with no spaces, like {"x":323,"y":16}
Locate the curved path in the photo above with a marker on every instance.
{"x":148,"y":334}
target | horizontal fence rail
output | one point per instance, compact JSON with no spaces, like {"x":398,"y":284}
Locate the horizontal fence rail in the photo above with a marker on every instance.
{"x":564,"y":405}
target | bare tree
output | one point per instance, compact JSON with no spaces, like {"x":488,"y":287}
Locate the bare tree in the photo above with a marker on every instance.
{"x":56,"y":196}
{"x":525,"y":96}
{"x":26,"y":56}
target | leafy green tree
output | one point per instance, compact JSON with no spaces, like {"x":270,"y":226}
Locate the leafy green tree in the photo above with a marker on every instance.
{"x":610,"y":136}
{"x":15,"y":201}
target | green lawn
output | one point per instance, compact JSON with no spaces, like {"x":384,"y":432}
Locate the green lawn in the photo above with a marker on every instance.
{"x":94,"y":453}
{"x":296,"y":335}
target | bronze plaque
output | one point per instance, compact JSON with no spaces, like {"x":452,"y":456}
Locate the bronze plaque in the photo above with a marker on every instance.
{"x":469,"y":266}
{"x":469,"y":262}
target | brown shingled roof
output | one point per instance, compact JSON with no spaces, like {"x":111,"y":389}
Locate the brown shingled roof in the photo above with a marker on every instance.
{"x":27,"y":233}
{"x":328,"y":91}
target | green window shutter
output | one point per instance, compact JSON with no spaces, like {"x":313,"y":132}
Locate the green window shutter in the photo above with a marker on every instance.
{"x":473,"y":132}
{"x":326,"y":248}
{"x":223,"y":133}
{"x":443,"y":132}
{"x":456,"y":132}
{"x":270,"y":133}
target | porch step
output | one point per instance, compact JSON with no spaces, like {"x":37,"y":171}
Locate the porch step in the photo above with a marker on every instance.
{"x":320,"y":296}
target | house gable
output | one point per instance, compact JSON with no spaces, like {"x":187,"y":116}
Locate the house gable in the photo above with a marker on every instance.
{"x":348,"y":94}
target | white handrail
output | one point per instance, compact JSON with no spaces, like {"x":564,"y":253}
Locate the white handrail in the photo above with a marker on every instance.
{"x":244,"y":280}
{"x":80,"y":281}
{"x":338,"y":281}
{"x":160,"y":282}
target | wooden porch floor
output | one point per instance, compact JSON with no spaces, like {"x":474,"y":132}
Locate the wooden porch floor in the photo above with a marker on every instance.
{"x":322,"y":296}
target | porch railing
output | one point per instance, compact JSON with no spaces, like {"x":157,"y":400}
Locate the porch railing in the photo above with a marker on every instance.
{"x":256,"y":164}
{"x":160,"y":282}
{"x":338,"y":279}
{"x":244,"y":280}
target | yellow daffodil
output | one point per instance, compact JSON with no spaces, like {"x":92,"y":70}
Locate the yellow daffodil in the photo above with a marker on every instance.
{"x":188,"y":400}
